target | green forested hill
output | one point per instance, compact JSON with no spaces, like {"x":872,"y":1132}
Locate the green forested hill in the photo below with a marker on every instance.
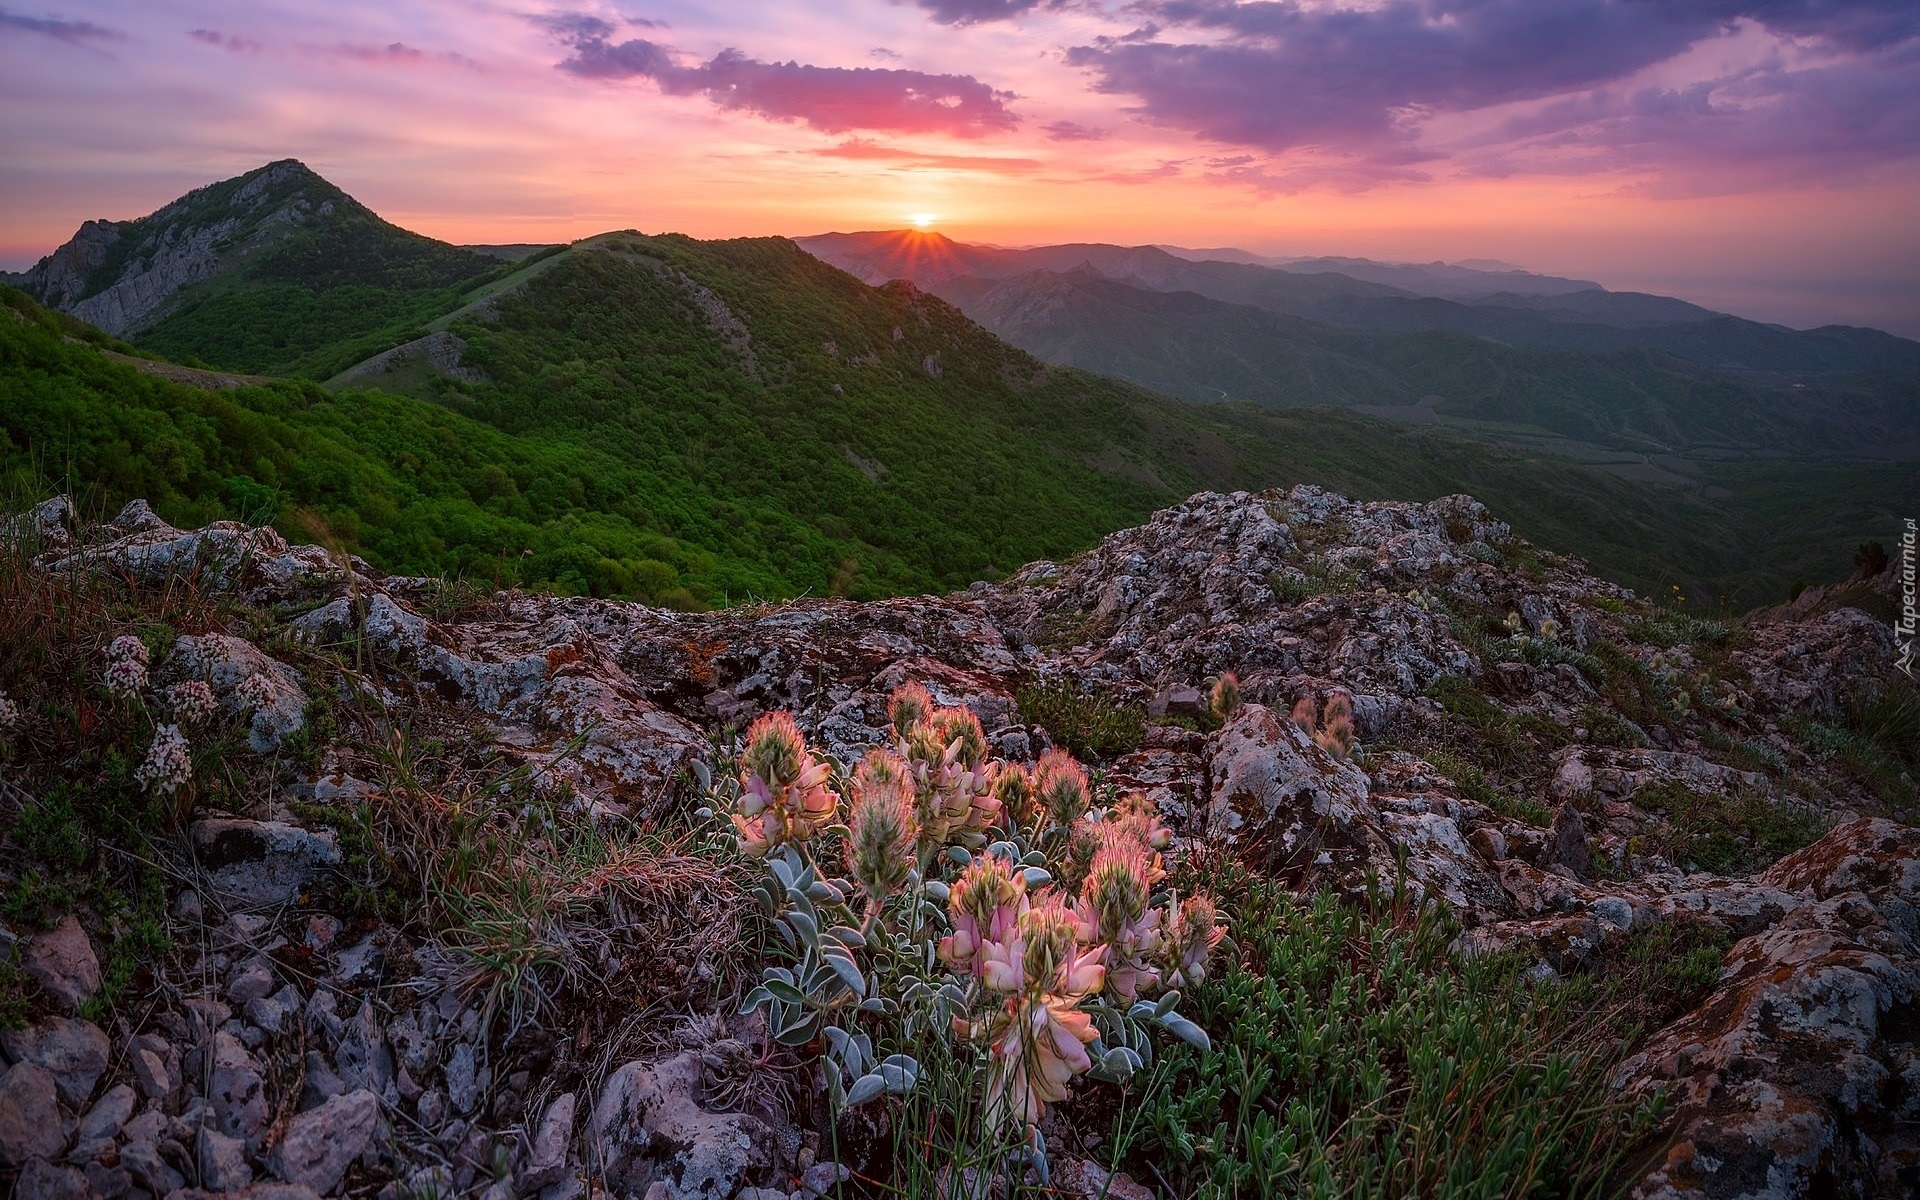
{"x":623,"y":447}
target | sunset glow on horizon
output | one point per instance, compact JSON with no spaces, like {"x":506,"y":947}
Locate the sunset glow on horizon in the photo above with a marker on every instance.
{"x":1761,"y":157}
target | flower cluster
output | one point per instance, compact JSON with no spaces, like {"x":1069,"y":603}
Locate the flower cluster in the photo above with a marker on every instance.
{"x":168,"y":764}
{"x":191,"y":702}
{"x":1009,"y":904}
{"x":783,"y":791}
{"x":126,"y":667}
{"x":10,"y":714}
{"x":255,"y":692}
{"x":1332,"y":728}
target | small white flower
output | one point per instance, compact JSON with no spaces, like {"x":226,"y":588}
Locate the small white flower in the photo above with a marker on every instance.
{"x":127,"y":648}
{"x":10,"y":715}
{"x":125,"y":678}
{"x":191,"y":702}
{"x":168,"y":764}
{"x":255,"y":692}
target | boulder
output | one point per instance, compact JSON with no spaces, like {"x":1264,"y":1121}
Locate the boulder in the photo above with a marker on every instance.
{"x":652,"y":1136}
{"x":62,"y":962}
{"x":262,"y":862}
{"x":320,"y":1144}
{"x":73,"y":1052}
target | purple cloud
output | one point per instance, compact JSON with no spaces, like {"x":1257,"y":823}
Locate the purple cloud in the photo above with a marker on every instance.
{"x":973,"y":12}
{"x":831,"y":99}
{"x":1357,"y":84}
{"x":1072,"y":131}
{"x":74,"y":33}
{"x":226,"y":41}
{"x":571,"y":27}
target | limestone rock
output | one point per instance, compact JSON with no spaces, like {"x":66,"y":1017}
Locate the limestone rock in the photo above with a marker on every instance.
{"x":320,"y":1144}
{"x":262,"y":862}
{"x":651,"y":1133}
{"x":62,"y":961}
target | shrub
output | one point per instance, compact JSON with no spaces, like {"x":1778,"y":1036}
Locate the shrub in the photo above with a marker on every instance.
{"x":1085,"y":723}
{"x":932,"y":911}
{"x":1355,"y":1055}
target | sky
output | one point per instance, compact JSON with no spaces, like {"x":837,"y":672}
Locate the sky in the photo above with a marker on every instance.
{"x":1757,"y":156}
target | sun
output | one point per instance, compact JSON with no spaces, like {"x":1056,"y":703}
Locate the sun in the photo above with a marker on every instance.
{"x":922,"y":220}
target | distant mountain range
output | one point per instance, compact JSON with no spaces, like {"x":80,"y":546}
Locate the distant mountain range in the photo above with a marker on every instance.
{"x":1617,"y":368}
{"x":690,"y":422}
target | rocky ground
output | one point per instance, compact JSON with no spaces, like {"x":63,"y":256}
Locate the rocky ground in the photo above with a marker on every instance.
{"x":1557,"y":760}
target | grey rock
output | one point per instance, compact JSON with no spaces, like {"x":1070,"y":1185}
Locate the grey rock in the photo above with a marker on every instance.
{"x":62,"y":962}
{"x":267,"y":1013}
{"x":362,"y":1059}
{"x":74,"y":1052}
{"x":320,"y":1144}
{"x":150,"y":1168}
{"x":358,"y":963}
{"x":103,"y":1123}
{"x":222,"y":1161}
{"x":321,"y":1084}
{"x":649,"y":1131}
{"x":431,"y":1108}
{"x":29,"y":1115}
{"x":462,"y":1078}
{"x":821,"y":1178}
{"x":42,"y":1180}
{"x":107,"y":1183}
{"x":547,"y":1159}
{"x":1569,"y":847}
{"x":1613,"y":912}
{"x":262,"y":862}
{"x":271,"y":701}
{"x":252,"y":980}
{"x":156,"y":1067}
{"x":238,"y":1093}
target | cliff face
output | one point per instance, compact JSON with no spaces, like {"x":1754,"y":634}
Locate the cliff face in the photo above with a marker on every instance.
{"x":1537,"y":748}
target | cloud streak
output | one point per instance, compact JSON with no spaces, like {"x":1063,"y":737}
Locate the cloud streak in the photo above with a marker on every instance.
{"x":830,"y":99}
{"x":74,"y":33}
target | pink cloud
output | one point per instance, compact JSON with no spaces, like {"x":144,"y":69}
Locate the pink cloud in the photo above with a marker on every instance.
{"x":830,"y":99}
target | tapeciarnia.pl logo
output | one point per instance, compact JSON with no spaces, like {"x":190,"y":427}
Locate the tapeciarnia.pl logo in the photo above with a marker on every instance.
{"x":1903,"y":628}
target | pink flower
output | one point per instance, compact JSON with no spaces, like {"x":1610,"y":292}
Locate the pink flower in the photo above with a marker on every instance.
{"x":909,"y":705}
{"x":880,"y":832}
{"x":783,"y":792}
{"x":1191,"y":938}
{"x":168,"y":763}
{"x":984,"y":906}
{"x":1060,"y":785}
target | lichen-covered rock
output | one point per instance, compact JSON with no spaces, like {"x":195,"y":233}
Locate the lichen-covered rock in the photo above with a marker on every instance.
{"x":261,"y":862}
{"x":246,"y":683}
{"x":651,"y":1133}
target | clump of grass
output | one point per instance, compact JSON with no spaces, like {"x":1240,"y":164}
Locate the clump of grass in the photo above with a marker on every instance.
{"x":526,"y":895}
{"x":1475,"y":786}
{"x":1356,"y":1055}
{"x":1607,"y":728}
{"x":1479,"y":729}
{"x":1089,"y":725}
{"x":1735,"y":832}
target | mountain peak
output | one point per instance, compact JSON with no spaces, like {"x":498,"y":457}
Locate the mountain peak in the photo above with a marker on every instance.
{"x":282,"y":222}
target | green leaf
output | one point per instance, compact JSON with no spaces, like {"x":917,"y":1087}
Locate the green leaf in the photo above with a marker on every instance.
{"x":865,"y":1088}
{"x":1186,"y":1031}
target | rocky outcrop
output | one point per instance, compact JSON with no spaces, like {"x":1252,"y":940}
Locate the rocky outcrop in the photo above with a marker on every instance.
{"x":323,"y":1057}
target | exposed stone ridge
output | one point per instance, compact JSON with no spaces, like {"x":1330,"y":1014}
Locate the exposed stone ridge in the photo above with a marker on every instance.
{"x":173,"y":247}
{"x":1798,"y":1075}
